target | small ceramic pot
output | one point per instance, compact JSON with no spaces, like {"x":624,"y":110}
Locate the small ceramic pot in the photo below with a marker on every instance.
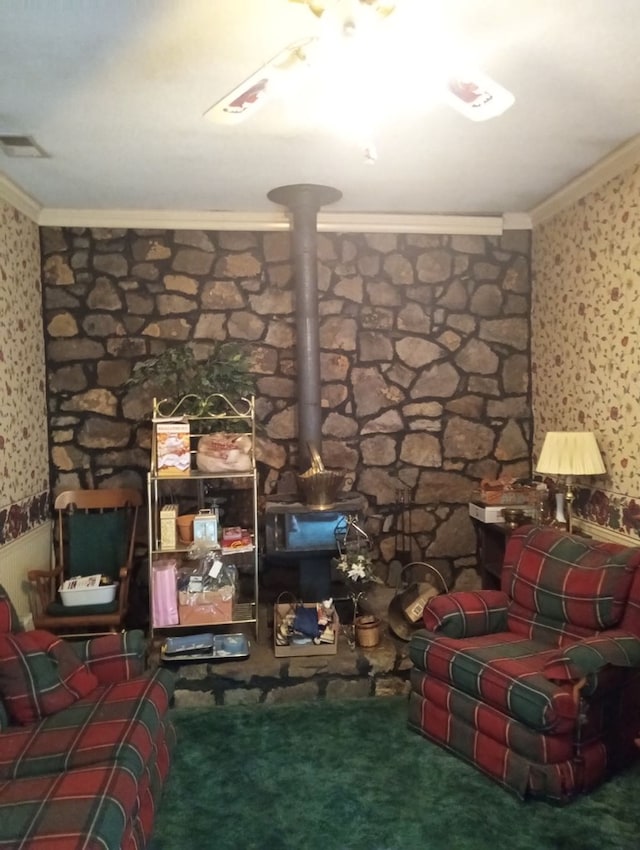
{"x":185,"y":528}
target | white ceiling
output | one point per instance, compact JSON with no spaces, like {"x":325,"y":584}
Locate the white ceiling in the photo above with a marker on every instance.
{"x":115,"y":91}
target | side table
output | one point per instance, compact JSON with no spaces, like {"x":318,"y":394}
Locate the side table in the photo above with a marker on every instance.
{"x":491,"y":541}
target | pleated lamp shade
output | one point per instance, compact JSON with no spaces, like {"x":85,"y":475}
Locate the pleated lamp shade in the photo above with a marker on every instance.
{"x":570,"y":453}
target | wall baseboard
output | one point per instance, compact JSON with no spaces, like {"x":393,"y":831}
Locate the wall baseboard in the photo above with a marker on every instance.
{"x":31,"y":551}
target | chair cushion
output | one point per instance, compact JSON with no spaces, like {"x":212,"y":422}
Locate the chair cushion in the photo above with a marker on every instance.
{"x":504,"y":670}
{"x":119,"y":724}
{"x":571,"y":579}
{"x":97,"y":543}
{"x":40,"y":675}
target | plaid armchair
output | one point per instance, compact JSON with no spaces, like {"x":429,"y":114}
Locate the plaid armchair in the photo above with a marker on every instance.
{"x":85,"y":739}
{"x":537,"y":684}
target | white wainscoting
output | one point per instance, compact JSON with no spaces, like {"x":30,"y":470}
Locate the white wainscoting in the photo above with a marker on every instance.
{"x":31,"y":551}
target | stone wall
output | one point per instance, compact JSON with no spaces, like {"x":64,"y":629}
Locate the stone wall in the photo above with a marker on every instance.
{"x":424,"y":360}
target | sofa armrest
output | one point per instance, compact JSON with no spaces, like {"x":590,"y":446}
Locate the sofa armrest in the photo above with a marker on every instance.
{"x":467,"y":613}
{"x":114,"y":657}
{"x":616,"y":648}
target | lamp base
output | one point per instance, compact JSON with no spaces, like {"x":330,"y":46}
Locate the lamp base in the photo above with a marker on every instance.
{"x":569,"y":500}
{"x":560,"y":518}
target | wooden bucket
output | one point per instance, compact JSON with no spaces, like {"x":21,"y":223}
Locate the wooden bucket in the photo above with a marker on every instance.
{"x":367,"y":629}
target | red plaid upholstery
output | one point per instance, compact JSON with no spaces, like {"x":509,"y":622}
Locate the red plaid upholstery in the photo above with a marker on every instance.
{"x":87,"y":776}
{"x":527,"y":742}
{"x":5,"y":615}
{"x":555,"y":781}
{"x":40,"y":675}
{"x":589,"y":656}
{"x":569,"y":579}
{"x":532,"y":683}
{"x":68,"y":811}
{"x":503,"y":670}
{"x":463,"y":615}
{"x":9,"y":621}
{"x":114,"y":657}
{"x":118,"y":723}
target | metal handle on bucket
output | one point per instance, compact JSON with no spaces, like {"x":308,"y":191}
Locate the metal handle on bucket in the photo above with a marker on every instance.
{"x":433,"y":569}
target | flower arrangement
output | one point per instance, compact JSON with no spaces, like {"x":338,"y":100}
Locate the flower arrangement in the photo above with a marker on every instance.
{"x":356,"y":566}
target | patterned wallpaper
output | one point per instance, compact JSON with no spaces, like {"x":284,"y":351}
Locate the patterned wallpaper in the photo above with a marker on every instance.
{"x":24,"y":450}
{"x":586,"y":340}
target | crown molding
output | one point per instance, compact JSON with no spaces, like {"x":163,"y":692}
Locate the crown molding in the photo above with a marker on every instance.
{"x":457,"y":225}
{"x":277,"y":220}
{"x":516,"y":221}
{"x":329,"y":222}
{"x":18,"y":199}
{"x":163,"y":219}
{"x":626,"y":156}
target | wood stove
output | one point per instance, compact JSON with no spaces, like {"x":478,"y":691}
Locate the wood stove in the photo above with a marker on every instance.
{"x":293,"y":530}
{"x":296,"y":533}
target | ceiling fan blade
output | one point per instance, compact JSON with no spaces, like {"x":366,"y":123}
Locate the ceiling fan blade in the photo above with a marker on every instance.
{"x":477,"y":96}
{"x":251,"y":94}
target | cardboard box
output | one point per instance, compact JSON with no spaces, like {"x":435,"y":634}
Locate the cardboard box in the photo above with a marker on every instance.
{"x":493,"y":513}
{"x":280,"y":610}
{"x":414,"y":599}
{"x":206,"y":607}
{"x":168,"y":517}
{"x":173,"y":450}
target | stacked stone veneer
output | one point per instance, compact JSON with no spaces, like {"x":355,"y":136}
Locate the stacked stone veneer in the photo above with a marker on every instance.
{"x":424,"y":360}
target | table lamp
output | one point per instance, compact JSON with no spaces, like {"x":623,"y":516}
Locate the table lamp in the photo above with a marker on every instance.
{"x":570,"y":453}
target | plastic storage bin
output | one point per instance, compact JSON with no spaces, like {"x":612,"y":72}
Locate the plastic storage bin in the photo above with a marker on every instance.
{"x":89,"y":595}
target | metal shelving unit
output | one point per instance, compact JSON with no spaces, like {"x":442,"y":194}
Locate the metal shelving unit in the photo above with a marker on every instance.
{"x":200,"y":490}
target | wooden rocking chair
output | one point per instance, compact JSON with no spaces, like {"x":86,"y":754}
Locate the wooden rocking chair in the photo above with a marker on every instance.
{"x":95,"y":533}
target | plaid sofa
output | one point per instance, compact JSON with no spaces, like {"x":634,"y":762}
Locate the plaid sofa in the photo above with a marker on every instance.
{"x":537,"y":684}
{"x":84,"y":764}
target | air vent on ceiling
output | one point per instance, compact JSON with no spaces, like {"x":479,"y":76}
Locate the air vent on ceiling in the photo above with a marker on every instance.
{"x":14,"y":145}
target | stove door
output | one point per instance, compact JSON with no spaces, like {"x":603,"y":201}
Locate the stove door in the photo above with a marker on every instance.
{"x":306,"y":531}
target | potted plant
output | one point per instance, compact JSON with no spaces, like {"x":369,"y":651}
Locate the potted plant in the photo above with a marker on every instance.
{"x":196,"y":388}
{"x":214,"y":392}
{"x":355,"y":564}
{"x":357,"y":569}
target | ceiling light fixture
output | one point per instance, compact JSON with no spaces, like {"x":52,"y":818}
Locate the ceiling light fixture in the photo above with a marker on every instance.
{"x":361,"y":66}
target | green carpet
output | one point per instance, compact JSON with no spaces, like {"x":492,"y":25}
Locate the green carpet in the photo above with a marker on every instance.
{"x":338,"y":775}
